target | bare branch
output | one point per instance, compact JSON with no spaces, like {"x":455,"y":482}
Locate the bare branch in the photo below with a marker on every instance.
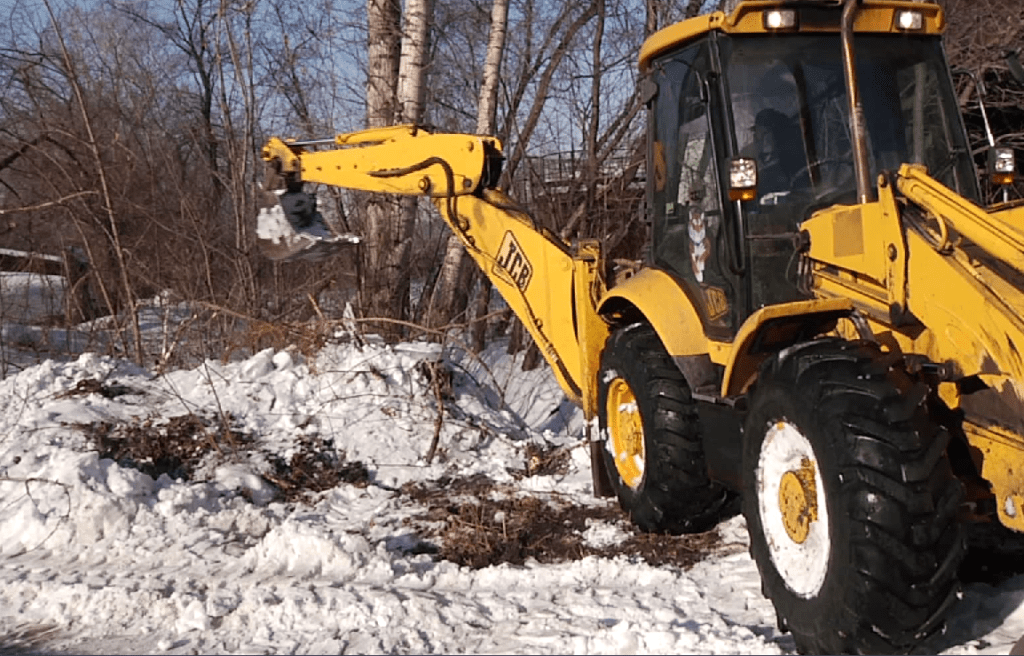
{"x":43,"y":206}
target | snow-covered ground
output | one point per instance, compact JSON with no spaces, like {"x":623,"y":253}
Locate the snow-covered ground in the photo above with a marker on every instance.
{"x":97,"y":557}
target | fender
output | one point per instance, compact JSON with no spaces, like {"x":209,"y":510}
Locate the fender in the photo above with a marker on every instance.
{"x":773,"y":328}
{"x":663,"y":303}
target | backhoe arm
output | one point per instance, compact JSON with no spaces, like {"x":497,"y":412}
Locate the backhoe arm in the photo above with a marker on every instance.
{"x":552,"y":289}
{"x":400,"y":159}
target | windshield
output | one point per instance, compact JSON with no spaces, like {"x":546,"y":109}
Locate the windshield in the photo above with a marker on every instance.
{"x":791,"y":114}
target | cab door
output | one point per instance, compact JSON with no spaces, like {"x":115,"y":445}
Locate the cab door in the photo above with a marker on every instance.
{"x":691,"y":225}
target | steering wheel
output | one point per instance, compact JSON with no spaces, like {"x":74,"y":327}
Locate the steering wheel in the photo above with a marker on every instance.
{"x":803,"y":174}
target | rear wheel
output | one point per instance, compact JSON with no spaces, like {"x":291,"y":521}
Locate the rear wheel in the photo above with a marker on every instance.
{"x":850,"y":500}
{"x":651,"y":432}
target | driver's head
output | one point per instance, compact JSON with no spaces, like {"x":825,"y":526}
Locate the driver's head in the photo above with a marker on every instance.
{"x":770,"y":128}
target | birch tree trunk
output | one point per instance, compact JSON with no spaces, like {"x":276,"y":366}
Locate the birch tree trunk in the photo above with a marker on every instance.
{"x":384,"y":293}
{"x":412,"y":62}
{"x":411,"y":92}
{"x":451,"y":292}
{"x":487,"y":109}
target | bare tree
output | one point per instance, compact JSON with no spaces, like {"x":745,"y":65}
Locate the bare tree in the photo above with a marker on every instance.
{"x":451,"y":293}
{"x":190,"y":29}
{"x":105,"y":191}
{"x":411,"y":93}
{"x":412,"y":60}
{"x":545,"y":62}
{"x":385,"y":283}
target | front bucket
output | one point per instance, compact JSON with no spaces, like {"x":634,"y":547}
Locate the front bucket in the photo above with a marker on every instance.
{"x":288,"y":228}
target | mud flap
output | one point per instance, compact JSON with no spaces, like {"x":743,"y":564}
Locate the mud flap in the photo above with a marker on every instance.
{"x":288,"y":228}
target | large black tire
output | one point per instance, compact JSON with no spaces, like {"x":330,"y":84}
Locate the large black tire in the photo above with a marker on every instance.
{"x":849,"y":499}
{"x":653,"y":452}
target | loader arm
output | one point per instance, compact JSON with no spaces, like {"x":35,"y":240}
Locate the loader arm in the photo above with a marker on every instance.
{"x":942,"y":278}
{"x":551,"y":288}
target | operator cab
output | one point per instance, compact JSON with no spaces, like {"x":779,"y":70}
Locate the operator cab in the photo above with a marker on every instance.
{"x":739,"y":91}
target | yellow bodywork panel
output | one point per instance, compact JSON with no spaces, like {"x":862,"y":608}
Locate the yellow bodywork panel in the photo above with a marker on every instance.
{"x":666,"y":307}
{"x":1001,"y":455}
{"x":851,"y":237}
{"x":873,"y":16}
{"x":867,"y":244}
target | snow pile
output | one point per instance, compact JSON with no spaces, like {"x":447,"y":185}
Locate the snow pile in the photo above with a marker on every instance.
{"x":99,"y":557}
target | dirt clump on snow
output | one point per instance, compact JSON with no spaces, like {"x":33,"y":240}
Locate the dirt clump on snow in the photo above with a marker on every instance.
{"x":174,"y":447}
{"x":179,"y":446}
{"x":88,"y":386}
{"x":544,"y":461}
{"x":478,"y":523}
{"x":315,"y":467}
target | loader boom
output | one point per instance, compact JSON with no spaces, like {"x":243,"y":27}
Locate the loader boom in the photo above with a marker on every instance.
{"x":941,"y":278}
{"x":550,"y":287}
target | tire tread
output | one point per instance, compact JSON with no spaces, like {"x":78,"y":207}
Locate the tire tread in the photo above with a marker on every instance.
{"x":896,"y":488}
{"x":676,"y":495}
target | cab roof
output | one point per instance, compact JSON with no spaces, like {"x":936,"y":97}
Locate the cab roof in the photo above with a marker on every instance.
{"x":814,"y":16}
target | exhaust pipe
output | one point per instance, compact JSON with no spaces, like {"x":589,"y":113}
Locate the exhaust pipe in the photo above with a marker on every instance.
{"x":858,"y":129}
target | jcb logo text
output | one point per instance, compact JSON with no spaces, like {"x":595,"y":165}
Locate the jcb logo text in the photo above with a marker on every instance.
{"x":512,"y":259}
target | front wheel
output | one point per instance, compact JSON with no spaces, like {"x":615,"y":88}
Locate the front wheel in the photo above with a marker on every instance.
{"x":653,"y":451}
{"x":850,"y":500}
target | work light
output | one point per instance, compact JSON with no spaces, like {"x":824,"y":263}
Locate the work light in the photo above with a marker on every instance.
{"x":742,"y":179}
{"x":1002,"y":165}
{"x":779,"y":19}
{"x":909,"y":20}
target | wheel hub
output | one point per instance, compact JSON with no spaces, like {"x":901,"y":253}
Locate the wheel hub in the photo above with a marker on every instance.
{"x":626,"y":432}
{"x":798,"y":501}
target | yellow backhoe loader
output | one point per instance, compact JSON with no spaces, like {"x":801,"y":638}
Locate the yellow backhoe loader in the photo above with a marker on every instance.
{"x":828,"y":322}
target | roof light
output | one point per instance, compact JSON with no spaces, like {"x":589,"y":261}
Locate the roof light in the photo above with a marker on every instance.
{"x":742,"y":179}
{"x":909,"y":20}
{"x":779,"y":19}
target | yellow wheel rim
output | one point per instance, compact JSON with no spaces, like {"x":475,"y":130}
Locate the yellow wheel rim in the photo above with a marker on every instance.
{"x":626,"y":432}
{"x":798,"y":501}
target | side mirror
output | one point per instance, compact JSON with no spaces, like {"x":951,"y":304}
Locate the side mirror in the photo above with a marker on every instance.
{"x":742,"y":179}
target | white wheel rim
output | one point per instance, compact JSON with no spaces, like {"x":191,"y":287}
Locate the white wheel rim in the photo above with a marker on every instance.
{"x":786,"y":454}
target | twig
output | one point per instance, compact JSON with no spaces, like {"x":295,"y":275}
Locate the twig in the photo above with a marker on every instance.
{"x":439,"y":420}
{"x":168,"y":350}
{"x":43,"y":206}
{"x":224,"y":420}
{"x":28,"y":493}
{"x":316,"y":307}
